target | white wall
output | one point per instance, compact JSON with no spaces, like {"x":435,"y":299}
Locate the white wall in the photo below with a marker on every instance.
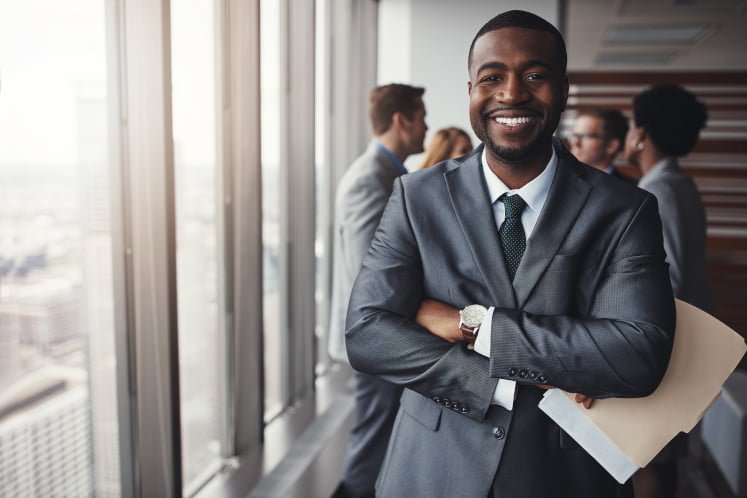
{"x":425,"y":43}
{"x":394,"y":41}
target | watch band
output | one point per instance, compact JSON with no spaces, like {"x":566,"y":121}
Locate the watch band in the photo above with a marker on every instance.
{"x":469,"y":333}
{"x":470,"y":319}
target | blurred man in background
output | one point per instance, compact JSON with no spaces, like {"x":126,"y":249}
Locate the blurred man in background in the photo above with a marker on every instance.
{"x":598,"y":137}
{"x":398,"y":121}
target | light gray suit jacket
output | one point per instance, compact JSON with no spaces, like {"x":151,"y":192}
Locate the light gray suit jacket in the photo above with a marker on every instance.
{"x":683,"y":220}
{"x":591,"y":310}
{"x":361,"y":197}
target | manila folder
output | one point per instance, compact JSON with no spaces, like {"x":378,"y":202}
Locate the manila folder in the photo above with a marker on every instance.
{"x":624,"y":434}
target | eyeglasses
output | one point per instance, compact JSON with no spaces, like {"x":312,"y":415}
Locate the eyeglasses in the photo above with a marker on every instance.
{"x":582,"y":136}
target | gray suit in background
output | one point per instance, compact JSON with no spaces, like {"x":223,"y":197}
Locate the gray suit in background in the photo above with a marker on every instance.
{"x":361,"y":198}
{"x":683,"y":221}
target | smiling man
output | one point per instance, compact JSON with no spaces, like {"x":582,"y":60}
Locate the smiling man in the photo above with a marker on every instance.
{"x":496,"y":276}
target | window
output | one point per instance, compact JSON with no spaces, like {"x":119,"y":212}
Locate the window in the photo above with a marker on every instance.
{"x":272,"y":196}
{"x":323,"y":177}
{"x":130,"y":214}
{"x":57,"y":359}
{"x":198,"y":250}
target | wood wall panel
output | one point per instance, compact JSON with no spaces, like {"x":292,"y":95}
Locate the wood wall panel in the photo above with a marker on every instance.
{"x":718,"y":165}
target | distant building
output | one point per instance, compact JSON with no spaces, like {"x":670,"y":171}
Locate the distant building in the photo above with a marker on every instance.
{"x":10,"y":347}
{"x":45,"y":442}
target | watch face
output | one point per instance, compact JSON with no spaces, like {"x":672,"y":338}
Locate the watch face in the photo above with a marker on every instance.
{"x":473,"y":315}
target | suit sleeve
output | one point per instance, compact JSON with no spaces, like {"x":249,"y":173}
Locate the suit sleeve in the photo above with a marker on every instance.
{"x":621,"y":347}
{"x":382,"y":338}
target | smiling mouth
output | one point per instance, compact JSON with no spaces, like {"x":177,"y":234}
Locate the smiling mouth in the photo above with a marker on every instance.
{"x":513,"y":121}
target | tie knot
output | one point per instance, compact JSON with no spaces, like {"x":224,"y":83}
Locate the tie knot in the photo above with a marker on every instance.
{"x":514,"y":205}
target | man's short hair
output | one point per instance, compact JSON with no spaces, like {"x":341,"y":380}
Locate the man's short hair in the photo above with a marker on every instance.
{"x":385,"y":100}
{"x":522,"y":19}
{"x":614,"y":123}
{"x":671,"y":116}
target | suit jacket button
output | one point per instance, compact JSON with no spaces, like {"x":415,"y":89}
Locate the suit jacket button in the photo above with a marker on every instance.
{"x":499,"y":432}
{"x":523,"y":373}
{"x":542,"y":378}
{"x":513,"y":371}
{"x":455,"y":405}
{"x":437,"y":399}
{"x":464,"y":409}
{"x":447,"y":403}
{"x":533,"y":375}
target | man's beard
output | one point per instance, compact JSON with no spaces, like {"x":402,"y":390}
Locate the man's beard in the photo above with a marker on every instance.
{"x":514,"y":155}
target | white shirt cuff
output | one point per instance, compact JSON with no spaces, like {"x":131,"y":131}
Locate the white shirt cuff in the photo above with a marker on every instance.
{"x":505,"y":391}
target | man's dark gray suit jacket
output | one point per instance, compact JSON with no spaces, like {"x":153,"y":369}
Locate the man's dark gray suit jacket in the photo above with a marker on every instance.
{"x":591,"y":311}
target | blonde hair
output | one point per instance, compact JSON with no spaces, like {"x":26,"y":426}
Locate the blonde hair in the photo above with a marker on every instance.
{"x":442,"y":145}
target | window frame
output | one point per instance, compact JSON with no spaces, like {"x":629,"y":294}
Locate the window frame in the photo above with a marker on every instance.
{"x":144,"y":244}
{"x":144,"y":230}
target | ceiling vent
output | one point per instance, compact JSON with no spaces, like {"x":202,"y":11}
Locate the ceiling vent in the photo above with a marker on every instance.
{"x":651,"y":34}
{"x":636,"y":58}
{"x":675,"y":7}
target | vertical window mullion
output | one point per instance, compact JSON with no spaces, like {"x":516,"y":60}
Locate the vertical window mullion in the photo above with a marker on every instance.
{"x":121,"y":259}
{"x":299,"y":145}
{"x":149,"y":204}
{"x":239,"y":130}
{"x":225,"y":203}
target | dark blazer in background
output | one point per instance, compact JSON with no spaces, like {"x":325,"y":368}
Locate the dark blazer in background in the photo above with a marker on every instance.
{"x":362,"y":195}
{"x":591,"y":310}
{"x":683,"y":220}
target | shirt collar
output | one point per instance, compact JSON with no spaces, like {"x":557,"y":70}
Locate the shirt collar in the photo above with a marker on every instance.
{"x":534,"y":193}
{"x":396,"y":161}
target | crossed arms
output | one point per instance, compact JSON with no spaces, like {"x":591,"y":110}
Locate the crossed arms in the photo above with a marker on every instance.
{"x":593,"y":354}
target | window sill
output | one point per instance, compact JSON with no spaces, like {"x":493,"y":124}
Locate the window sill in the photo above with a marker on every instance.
{"x":314,"y":467}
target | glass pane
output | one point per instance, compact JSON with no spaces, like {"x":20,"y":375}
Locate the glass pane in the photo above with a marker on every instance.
{"x":271,"y":193}
{"x":198,"y":251}
{"x":58,"y":397}
{"x":323,"y":200}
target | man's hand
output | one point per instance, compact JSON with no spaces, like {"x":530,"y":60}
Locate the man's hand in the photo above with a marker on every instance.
{"x":440,"y":319}
{"x":586,"y":400}
{"x":580,"y":398}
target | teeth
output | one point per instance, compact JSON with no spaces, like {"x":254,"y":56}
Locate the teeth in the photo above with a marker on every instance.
{"x":512,"y":121}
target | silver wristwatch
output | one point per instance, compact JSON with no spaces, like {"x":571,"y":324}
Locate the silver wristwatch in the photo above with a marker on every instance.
{"x":470,"y":318}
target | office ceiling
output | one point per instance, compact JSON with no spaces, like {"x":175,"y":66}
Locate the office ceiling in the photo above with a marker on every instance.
{"x":656,"y":35}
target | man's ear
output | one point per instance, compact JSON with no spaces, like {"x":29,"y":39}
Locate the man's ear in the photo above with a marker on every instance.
{"x":613,"y":147}
{"x":469,"y":88}
{"x":397,"y":120}
{"x":400,"y":121}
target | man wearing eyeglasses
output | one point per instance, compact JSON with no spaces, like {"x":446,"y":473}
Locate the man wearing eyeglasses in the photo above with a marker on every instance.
{"x":598,"y":137}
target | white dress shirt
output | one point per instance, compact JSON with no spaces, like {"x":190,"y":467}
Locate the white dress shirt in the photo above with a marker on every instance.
{"x":534,"y":194}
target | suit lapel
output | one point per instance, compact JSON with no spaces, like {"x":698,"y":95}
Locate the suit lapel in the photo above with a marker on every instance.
{"x":469,"y":199}
{"x":565,"y":199}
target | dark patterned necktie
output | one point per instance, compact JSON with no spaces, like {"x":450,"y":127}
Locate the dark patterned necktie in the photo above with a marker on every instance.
{"x":513,"y":240}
